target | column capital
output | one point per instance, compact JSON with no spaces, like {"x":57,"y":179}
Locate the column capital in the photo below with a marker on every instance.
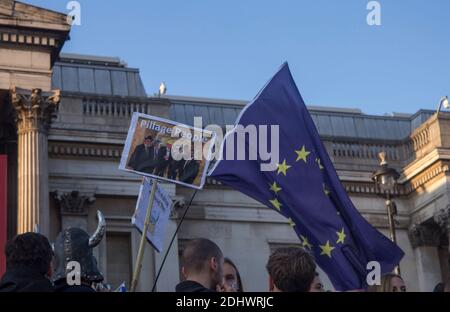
{"x":442,"y":218}
{"x":424,"y":235}
{"x":74,"y":203}
{"x":34,"y":110}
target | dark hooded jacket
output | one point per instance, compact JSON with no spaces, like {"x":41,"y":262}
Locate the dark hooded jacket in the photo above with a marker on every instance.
{"x":25,"y":279}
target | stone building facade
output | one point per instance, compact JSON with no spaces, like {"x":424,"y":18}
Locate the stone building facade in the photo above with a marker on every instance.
{"x":64,"y":147}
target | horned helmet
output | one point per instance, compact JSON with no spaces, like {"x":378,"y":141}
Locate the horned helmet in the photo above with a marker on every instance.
{"x":75,"y":244}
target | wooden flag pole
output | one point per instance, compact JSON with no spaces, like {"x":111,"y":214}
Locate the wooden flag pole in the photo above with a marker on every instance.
{"x":140,"y":255}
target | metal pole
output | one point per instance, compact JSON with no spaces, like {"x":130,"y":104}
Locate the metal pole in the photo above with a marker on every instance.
{"x":140,"y":255}
{"x":392,"y":227}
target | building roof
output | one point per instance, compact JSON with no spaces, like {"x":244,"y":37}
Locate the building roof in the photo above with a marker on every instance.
{"x":330,"y":121}
{"x":96,"y":75}
{"x":110,"y":76}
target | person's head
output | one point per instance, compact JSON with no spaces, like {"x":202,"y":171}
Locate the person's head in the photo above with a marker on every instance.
{"x":389,"y":282}
{"x":316,"y":285}
{"x":291,"y":269}
{"x":202,"y":262}
{"x":148,"y":141}
{"x":31,"y":250}
{"x":231,"y":276}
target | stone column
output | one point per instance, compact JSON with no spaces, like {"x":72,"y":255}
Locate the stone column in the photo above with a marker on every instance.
{"x":425,"y":239}
{"x":34,"y":112}
{"x":442,"y":219}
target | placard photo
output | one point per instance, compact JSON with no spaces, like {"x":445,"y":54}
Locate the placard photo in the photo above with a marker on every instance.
{"x":167,"y":150}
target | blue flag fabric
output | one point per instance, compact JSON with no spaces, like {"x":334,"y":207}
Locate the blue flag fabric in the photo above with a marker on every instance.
{"x":305,"y":188}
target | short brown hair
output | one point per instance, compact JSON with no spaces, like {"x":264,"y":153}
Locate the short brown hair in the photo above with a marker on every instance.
{"x":31,"y":250}
{"x":292,"y":269}
{"x":198,"y":252}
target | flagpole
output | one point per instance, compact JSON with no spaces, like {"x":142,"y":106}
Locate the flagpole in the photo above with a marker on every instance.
{"x":140,"y":255}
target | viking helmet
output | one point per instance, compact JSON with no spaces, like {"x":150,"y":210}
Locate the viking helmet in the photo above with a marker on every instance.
{"x":74,"y":244}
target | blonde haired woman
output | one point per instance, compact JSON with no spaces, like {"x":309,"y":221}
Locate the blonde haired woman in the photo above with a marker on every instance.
{"x":390,"y":282}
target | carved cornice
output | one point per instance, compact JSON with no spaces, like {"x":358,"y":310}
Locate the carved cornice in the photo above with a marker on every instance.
{"x":73,"y":203}
{"x":83,"y":150}
{"x":32,"y":39}
{"x":32,"y":27}
{"x":429,"y":174}
{"x":35,"y":111}
{"x":113,"y":152}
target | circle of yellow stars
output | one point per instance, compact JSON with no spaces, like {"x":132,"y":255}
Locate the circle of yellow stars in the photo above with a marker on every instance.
{"x":282,"y":168}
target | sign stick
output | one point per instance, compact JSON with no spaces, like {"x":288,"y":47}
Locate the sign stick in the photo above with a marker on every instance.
{"x":140,"y":255}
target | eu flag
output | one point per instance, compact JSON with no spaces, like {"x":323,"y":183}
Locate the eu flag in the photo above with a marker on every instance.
{"x":305,"y":187}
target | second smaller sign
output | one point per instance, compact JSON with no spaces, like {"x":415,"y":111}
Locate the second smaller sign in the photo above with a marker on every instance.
{"x":160,"y":213}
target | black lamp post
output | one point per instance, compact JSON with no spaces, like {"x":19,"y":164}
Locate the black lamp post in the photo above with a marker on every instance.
{"x":385,"y":179}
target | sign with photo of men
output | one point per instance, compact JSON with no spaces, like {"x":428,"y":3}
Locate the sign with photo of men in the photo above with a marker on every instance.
{"x":166,"y":150}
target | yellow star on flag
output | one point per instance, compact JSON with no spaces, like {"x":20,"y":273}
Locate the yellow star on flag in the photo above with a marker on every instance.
{"x":326,"y":249}
{"x":274,"y":187}
{"x":283,"y":167}
{"x":305,"y":242}
{"x":341,"y":236}
{"x":318,"y":162}
{"x":276,"y":203}
{"x":291,"y":223}
{"x":302,"y":154}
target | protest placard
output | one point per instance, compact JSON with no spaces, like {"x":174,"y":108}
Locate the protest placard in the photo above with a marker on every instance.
{"x":166,"y":150}
{"x":159,"y":215}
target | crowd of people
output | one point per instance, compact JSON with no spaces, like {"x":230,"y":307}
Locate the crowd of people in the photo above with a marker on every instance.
{"x":33,"y":265}
{"x":153,"y":157}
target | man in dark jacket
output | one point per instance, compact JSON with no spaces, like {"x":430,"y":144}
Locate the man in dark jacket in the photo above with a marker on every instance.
{"x":174,"y":167}
{"x":143,"y":157}
{"x":202,"y":267}
{"x":162,"y":159}
{"x":28,"y":264}
{"x":189,"y":171}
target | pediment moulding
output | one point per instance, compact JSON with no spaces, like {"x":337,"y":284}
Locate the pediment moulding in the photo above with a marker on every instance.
{"x":28,"y":27}
{"x":19,"y":14}
{"x":59,"y":149}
